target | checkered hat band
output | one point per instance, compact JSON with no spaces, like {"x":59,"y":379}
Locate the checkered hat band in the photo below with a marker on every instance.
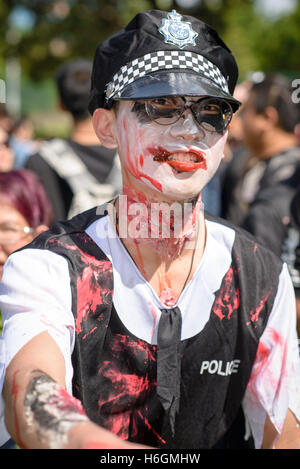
{"x":164,"y":60}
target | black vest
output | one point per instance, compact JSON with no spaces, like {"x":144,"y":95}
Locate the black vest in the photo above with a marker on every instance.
{"x":115,"y":371}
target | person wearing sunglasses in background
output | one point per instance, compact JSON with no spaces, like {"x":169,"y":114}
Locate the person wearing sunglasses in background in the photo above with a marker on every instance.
{"x":147,"y":322}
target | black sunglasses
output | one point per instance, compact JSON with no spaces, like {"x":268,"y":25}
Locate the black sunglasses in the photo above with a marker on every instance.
{"x":212,"y":114}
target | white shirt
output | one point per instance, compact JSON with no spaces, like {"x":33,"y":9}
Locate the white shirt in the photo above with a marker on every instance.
{"x":35,"y":296}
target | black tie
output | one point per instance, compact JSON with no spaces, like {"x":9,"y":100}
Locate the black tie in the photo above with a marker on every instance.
{"x":169,"y":362}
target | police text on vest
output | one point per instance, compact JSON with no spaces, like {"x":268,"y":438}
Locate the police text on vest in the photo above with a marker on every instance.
{"x":219,"y":367}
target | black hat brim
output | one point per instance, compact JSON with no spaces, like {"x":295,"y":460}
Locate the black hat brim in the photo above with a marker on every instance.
{"x":160,"y":84}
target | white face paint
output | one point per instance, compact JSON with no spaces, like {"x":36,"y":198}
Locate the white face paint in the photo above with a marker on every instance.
{"x":193,"y":154}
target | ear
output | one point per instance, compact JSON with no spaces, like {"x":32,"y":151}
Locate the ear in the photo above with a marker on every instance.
{"x":271,"y":116}
{"x":104,"y":126}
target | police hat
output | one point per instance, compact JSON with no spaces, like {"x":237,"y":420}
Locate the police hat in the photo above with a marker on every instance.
{"x":162,"y":54}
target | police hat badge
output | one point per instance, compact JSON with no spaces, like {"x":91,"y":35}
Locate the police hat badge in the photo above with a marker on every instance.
{"x":176,"y":31}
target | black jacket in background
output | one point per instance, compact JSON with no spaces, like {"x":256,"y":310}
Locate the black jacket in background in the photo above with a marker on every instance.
{"x":268,"y":216}
{"x":98,"y":160}
{"x":291,"y":245}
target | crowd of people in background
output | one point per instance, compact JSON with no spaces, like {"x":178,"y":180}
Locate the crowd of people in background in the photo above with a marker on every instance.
{"x":257,"y":186}
{"x":262,"y":176}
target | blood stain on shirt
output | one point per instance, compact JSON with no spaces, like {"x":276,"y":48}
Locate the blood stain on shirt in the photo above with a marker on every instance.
{"x":228,"y":297}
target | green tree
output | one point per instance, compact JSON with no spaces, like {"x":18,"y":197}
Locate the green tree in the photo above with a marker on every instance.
{"x":278,"y":44}
{"x":63,"y":29}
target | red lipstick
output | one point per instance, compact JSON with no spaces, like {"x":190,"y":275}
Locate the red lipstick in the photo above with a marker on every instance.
{"x":162,"y":155}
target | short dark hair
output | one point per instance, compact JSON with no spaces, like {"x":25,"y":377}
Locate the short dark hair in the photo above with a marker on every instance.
{"x":276,"y":91}
{"x":74,"y":82}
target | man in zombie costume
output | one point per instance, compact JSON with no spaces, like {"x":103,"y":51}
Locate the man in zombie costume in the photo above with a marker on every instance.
{"x":146,"y":322}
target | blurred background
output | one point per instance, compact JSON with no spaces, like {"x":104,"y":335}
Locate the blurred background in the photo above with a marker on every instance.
{"x":37,"y":36}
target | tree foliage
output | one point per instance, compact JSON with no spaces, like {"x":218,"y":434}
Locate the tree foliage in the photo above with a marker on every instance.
{"x":64,"y":29}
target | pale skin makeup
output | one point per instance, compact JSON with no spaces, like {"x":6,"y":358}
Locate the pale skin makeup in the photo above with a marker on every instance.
{"x":142,"y":144}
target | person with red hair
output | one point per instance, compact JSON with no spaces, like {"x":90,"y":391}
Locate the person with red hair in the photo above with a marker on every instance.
{"x":25,"y":211}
